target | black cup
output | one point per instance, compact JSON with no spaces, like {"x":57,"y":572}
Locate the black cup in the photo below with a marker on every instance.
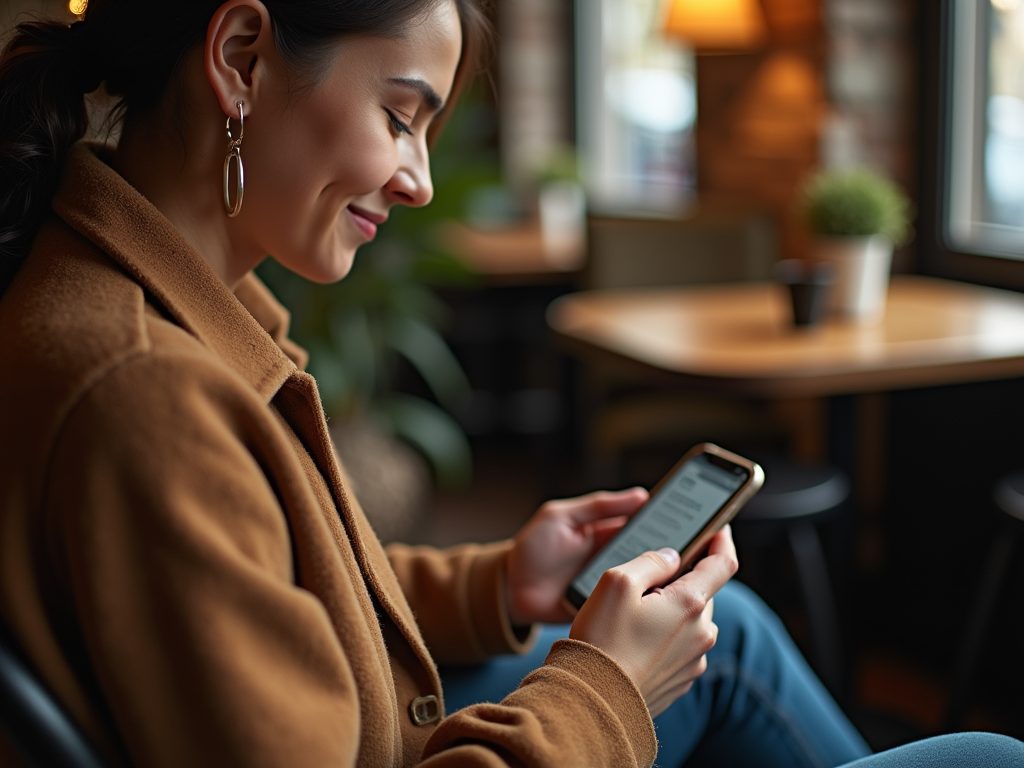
{"x":808,"y":286}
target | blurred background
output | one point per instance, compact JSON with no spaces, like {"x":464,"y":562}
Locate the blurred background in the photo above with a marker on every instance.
{"x":618,"y":144}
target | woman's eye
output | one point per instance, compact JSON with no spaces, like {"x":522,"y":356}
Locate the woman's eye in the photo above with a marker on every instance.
{"x":398,"y":125}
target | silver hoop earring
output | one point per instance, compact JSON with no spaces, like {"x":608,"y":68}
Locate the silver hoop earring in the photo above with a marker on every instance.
{"x":234,"y":153}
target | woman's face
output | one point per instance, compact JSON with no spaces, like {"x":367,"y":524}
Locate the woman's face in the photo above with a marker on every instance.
{"x":324,"y":168}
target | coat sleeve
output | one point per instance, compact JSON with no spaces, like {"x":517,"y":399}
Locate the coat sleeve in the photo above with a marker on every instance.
{"x":458,"y":596}
{"x":578,"y":708}
{"x":178,"y":561}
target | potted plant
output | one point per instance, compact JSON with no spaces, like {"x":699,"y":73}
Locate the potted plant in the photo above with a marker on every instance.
{"x":857,"y":216}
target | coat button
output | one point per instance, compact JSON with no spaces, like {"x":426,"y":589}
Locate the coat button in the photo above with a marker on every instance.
{"x":425,"y":709}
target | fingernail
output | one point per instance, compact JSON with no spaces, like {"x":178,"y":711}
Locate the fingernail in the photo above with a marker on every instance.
{"x":669,"y":555}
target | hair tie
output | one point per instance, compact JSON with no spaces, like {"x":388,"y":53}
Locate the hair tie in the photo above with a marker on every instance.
{"x":87,"y":64}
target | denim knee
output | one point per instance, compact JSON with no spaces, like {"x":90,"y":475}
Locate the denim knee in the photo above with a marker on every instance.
{"x":740,"y":612}
{"x":954,"y":750}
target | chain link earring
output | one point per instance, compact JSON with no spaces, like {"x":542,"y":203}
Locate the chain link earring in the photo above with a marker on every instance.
{"x":234,"y":153}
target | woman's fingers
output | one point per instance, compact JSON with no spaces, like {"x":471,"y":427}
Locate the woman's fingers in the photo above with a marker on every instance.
{"x":651,"y":569}
{"x":671,"y":683}
{"x":659,"y":635}
{"x":722,"y":544}
{"x":677,"y":685}
{"x":711,"y":572}
{"x":599,"y":505}
{"x":605,"y":530}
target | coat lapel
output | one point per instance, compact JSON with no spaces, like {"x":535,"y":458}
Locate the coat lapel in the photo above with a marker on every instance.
{"x":246,"y":329}
{"x":101,"y":206}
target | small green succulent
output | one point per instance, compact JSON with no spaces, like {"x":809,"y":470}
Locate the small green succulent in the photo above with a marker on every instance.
{"x":856,"y":202}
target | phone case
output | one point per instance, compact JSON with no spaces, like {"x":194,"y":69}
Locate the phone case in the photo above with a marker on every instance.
{"x":726,"y":513}
{"x":700,"y":542}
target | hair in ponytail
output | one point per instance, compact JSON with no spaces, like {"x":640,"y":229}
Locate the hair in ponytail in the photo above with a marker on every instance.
{"x":135,"y":48}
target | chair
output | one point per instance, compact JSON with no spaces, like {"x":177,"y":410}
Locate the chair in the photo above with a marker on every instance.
{"x":1008,"y":495}
{"x":717,"y":243}
{"x":32,"y":721}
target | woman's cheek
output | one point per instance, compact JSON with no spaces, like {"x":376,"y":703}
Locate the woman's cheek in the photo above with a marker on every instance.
{"x":377,"y":163}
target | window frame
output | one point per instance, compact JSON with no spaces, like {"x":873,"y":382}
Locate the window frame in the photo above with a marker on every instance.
{"x":939,"y":253}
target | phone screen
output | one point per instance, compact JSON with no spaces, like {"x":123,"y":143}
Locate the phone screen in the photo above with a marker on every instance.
{"x":672,"y":517}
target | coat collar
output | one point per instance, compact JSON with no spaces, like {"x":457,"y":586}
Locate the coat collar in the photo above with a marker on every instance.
{"x":247,"y":329}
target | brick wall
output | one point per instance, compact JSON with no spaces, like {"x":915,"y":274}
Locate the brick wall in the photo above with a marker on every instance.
{"x":535,"y":92}
{"x":871,"y":75}
{"x":831,"y":88}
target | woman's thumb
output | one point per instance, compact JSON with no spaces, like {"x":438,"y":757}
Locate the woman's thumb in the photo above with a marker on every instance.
{"x":653,"y":569}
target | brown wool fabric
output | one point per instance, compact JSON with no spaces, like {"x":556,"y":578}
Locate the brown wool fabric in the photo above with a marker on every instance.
{"x":181,"y":558}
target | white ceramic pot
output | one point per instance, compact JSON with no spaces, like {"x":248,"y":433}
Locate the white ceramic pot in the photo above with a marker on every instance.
{"x":563,"y":222}
{"x":861,"y":266}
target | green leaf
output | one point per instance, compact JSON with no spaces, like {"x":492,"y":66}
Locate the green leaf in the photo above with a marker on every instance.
{"x":331,"y":376}
{"x":431,"y":431}
{"x":416,"y":301}
{"x":436,"y":268}
{"x":356,"y":351}
{"x":422,"y":346}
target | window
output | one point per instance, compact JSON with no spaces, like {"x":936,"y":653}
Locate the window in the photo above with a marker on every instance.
{"x":984,"y":199}
{"x":636,"y":109}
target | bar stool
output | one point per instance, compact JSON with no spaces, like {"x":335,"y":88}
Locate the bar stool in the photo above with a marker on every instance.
{"x":1008,"y":496}
{"x":794,"y":498}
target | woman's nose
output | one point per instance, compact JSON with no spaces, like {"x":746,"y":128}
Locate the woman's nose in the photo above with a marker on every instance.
{"x":411,"y":184}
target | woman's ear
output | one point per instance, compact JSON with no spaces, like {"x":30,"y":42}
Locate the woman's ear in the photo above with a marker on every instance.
{"x":239,"y":46}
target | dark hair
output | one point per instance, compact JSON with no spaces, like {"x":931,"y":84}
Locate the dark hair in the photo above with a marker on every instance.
{"x":135,"y":49}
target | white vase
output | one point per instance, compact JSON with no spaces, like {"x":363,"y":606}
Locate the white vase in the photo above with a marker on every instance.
{"x":861,"y":266}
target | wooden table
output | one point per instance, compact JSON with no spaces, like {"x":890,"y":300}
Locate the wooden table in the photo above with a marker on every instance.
{"x":514,"y":255}
{"x":738,"y":338}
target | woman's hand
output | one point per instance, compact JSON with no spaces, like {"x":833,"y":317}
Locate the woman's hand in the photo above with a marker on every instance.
{"x":658,"y":635}
{"x":555,"y":545}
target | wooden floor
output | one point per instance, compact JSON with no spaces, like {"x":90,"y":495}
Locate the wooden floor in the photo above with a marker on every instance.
{"x":892,"y":698}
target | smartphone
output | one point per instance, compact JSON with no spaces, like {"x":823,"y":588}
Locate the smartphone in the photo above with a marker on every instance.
{"x":702,"y":492}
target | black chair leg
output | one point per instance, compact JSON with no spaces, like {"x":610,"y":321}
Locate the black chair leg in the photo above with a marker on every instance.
{"x":821,"y":608}
{"x":33,"y":722}
{"x":999,"y":557}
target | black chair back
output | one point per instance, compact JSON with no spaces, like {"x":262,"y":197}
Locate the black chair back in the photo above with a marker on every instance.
{"x":32,"y":720}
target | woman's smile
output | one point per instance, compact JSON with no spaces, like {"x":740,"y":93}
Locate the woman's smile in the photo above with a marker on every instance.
{"x":366,"y":221}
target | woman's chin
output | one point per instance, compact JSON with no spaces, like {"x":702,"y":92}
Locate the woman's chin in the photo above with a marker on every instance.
{"x":325,"y":271}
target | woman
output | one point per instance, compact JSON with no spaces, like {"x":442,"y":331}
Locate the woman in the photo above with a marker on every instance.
{"x":180,"y":556}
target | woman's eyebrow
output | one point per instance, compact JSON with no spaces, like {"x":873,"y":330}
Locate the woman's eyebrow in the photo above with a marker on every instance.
{"x":422,"y":87}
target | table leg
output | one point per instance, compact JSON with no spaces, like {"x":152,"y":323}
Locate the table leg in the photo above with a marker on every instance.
{"x":872,"y":448}
{"x":872,"y":410}
{"x":807,"y":421}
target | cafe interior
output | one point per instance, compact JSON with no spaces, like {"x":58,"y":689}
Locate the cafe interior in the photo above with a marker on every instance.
{"x":633,"y":249}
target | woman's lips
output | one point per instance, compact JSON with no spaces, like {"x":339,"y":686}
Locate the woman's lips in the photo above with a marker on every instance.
{"x":366,"y":221}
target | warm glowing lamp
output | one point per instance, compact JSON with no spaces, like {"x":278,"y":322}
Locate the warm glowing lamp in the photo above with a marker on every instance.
{"x":717,"y":26}
{"x":78,"y":7}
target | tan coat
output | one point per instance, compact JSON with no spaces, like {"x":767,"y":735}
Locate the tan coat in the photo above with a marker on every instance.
{"x":180,"y":556}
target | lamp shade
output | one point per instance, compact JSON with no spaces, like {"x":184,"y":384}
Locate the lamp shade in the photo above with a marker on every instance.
{"x":717,"y":25}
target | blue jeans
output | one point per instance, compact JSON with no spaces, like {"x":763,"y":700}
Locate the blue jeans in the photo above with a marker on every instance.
{"x":758,"y":704}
